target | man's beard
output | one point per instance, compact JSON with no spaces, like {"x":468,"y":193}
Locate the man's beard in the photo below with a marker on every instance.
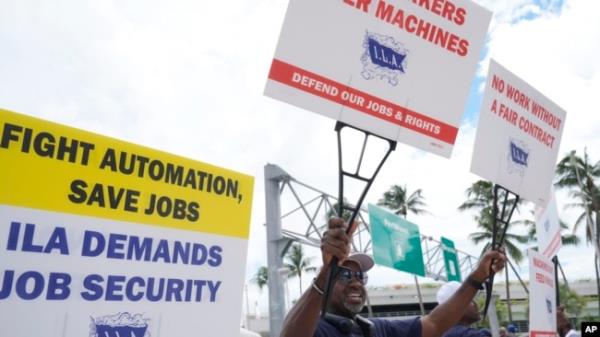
{"x":354,"y":308}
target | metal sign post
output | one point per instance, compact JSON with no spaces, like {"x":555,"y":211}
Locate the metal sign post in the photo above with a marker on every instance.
{"x":556,"y":284}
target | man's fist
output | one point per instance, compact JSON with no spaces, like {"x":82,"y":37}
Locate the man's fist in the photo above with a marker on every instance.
{"x":335,"y":241}
{"x":493,"y":260}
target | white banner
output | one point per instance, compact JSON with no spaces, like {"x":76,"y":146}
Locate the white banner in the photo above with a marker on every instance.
{"x":542,"y":296}
{"x":399,"y":69}
{"x":68,"y":275}
{"x":103,"y":238}
{"x":547,"y":227}
{"x":518,"y":136}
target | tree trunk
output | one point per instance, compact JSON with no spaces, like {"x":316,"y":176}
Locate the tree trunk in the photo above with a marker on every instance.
{"x":300,"y":279}
{"x":510,"y":318}
{"x":596,"y":256}
{"x":597,"y":280}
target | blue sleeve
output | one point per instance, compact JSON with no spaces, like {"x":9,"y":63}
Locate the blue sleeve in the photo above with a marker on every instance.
{"x":398,"y":328}
{"x":325,"y":329}
{"x":475,"y":333}
{"x":463,"y":331}
{"x":470,"y":332}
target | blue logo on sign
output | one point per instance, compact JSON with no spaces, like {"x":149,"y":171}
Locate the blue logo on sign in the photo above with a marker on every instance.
{"x":384,"y":57}
{"x":549,"y":305}
{"x":122,"y":324}
{"x":547,"y":225}
{"x":550,"y":315}
{"x":518,"y":157}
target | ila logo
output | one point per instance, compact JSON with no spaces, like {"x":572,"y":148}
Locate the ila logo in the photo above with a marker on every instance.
{"x":518,"y":157}
{"x":122,"y":324}
{"x":549,"y":305}
{"x":384,"y":57}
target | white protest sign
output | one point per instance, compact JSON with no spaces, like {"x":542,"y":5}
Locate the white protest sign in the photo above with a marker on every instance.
{"x":542,"y":296}
{"x":518,"y":136}
{"x":105,"y":238}
{"x":547,"y":228}
{"x":399,"y":69}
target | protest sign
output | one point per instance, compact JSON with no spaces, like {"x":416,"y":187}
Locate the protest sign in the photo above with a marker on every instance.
{"x":518,"y":136}
{"x":547,"y":226}
{"x":399,"y":69}
{"x":396,"y":242}
{"x":542,"y":296}
{"x":100,"y":237}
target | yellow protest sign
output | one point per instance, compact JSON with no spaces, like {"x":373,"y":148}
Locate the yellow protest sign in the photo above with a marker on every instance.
{"x":58,"y":168}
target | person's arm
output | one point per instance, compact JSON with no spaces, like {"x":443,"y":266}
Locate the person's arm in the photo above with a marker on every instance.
{"x":302,"y":319}
{"x":447,"y":314}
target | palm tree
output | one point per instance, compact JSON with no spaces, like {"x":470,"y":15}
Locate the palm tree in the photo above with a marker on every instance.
{"x":571,"y":300}
{"x":261,"y":278}
{"x":480,"y":197}
{"x":579,"y":175}
{"x":510,"y":241}
{"x":398,"y":200}
{"x":298,"y":262}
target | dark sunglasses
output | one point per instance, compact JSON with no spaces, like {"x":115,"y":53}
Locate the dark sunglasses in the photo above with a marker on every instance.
{"x":345,"y":275}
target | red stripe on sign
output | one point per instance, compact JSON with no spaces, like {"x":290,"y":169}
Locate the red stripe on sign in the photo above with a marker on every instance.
{"x":553,"y":244}
{"x":534,"y":333}
{"x":358,"y":100}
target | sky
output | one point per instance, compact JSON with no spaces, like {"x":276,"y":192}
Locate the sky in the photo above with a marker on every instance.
{"x":187,"y":77}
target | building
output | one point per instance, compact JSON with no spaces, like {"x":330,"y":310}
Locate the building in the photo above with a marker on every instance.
{"x":401,"y":302}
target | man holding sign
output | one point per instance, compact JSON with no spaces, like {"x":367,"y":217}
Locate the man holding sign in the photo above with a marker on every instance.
{"x":349,"y":296}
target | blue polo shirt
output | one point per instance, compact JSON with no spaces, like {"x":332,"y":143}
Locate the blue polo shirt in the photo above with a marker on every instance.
{"x":464,"y":331}
{"x":383,"y":328}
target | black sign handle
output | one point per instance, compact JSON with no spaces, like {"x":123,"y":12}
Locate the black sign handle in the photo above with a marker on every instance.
{"x":355,"y":174}
{"x":500,"y":223}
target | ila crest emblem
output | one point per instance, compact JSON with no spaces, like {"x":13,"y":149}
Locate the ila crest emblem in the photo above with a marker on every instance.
{"x":384,"y":57}
{"x":122,"y":324}
{"x":518,"y":157}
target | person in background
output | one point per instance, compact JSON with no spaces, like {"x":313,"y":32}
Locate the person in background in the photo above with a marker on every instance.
{"x":502,"y":331}
{"x":471,"y":314}
{"x":511,"y":330}
{"x":563,"y":325}
{"x":349,"y":296}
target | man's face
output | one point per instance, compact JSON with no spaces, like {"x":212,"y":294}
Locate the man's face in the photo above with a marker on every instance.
{"x":349,"y":294}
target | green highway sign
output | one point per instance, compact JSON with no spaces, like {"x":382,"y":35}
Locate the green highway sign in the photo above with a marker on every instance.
{"x":451,"y":260}
{"x":396,"y":242}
